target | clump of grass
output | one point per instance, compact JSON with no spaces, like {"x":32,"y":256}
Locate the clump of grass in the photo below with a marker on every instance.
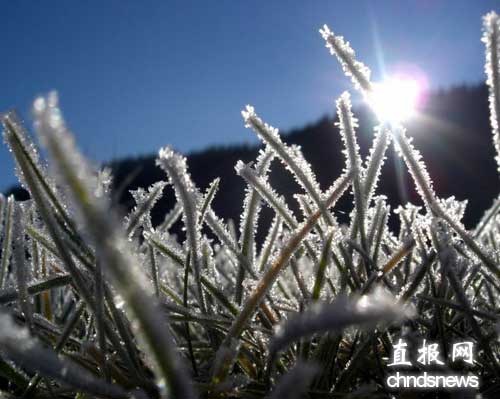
{"x":97,"y":304}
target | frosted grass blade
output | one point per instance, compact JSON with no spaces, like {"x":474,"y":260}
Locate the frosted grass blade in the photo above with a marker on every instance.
{"x":111,"y":247}
{"x":291,"y":157}
{"x":7,"y":240}
{"x":347,"y":123}
{"x":187,"y":194}
{"x":367,"y":311}
{"x":19,"y":346}
{"x":491,"y":38}
{"x":248,"y":222}
{"x":20,"y":264}
{"x":357,"y":71}
{"x":268,"y":279}
{"x":12,"y":294}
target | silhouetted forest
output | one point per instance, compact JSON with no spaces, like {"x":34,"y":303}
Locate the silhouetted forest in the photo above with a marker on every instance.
{"x":453,"y":135}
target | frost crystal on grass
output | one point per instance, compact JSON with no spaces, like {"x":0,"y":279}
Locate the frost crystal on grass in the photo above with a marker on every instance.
{"x":187,"y":194}
{"x":491,"y":38}
{"x":49,"y":124}
{"x":357,"y":71}
{"x":416,"y":166}
{"x":347,"y":124}
{"x":17,"y":129}
{"x":104,"y":179}
{"x":274,"y":200}
{"x":6,"y":240}
{"x":375,"y":161}
{"x":145,"y":201}
{"x":249,"y":217}
{"x":291,"y":156}
{"x":366,"y":311}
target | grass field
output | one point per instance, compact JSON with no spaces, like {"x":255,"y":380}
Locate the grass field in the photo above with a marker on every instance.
{"x":97,"y":304}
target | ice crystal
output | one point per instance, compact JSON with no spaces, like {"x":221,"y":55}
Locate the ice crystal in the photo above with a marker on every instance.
{"x":252,"y":202}
{"x":375,"y":161}
{"x":274,"y":200}
{"x":171,"y":217}
{"x":416,"y":166}
{"x":368,"y":310}
{"x":268,"y":247}
{"x":491,"y":38}
{"x":50,"y":125}
{"x":291,"y":156}
{"x":357,"y":71}
{"x":347,"y":123}
{"x":20,"y":265}
{"x":145,"y":201}
{"x":187,"y":194}
{"x":6,"y":240}
{"x":104,"y":179}
{"x":13,"y":126}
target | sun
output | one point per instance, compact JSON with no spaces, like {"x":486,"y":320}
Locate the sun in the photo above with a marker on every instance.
{"x":394,"y":100}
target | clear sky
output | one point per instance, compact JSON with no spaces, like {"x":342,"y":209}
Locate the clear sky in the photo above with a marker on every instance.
{"x":136,"y":75}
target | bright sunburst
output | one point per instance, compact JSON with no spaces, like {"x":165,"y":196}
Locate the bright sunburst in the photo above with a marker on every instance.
{"x":394,"y":100}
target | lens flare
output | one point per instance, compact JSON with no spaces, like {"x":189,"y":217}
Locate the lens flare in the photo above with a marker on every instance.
{"x":394,"y":100}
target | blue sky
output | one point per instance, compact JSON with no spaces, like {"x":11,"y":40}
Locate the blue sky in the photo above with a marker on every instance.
{"x":136,"y":75}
